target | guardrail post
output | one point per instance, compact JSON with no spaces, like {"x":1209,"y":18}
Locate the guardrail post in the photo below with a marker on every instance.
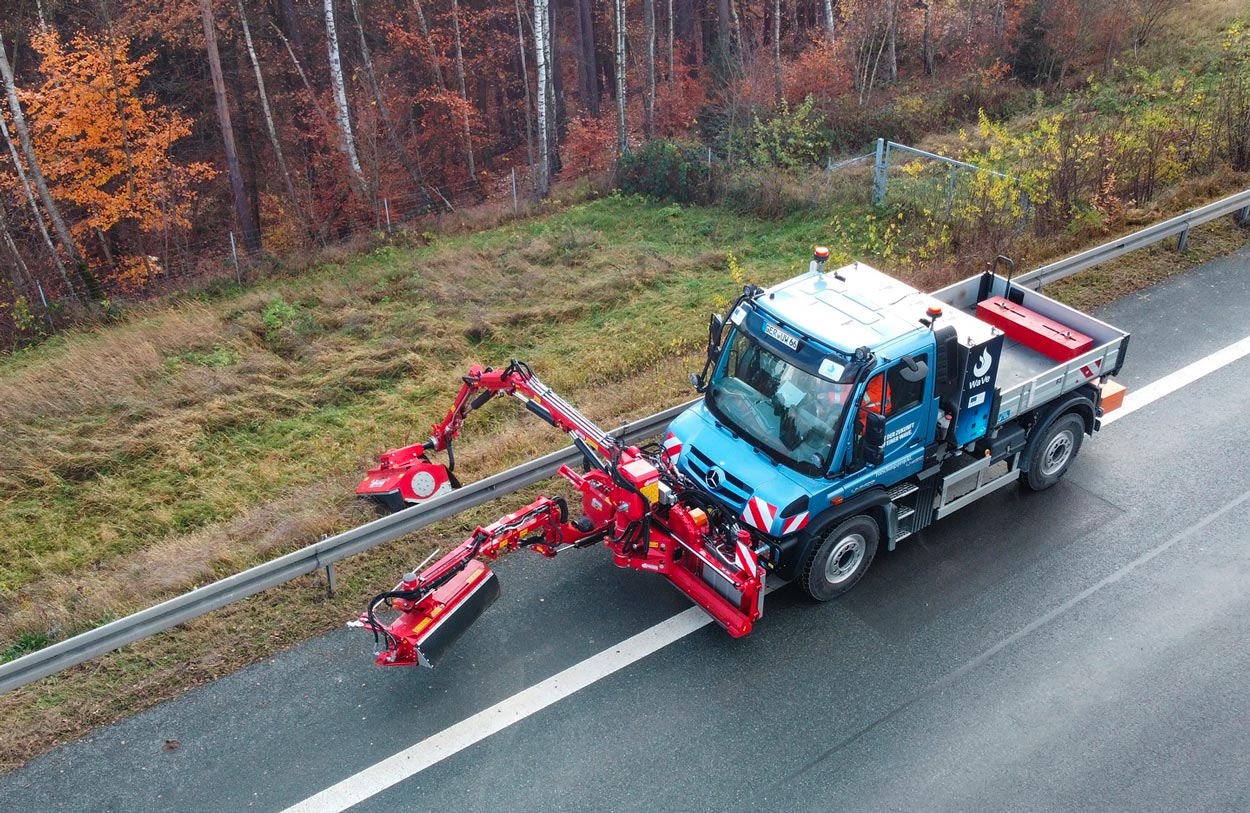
{"x":1182,"y":240}
{"x":1243,"y":217}
{"x":878,"y":173}
{"x":331,"y":582}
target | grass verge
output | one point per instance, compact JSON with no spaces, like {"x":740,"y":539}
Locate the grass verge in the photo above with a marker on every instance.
{"x":196,"y":440}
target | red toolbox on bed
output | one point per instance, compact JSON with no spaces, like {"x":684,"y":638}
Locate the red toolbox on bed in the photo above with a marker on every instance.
{"x":1046,"y":336}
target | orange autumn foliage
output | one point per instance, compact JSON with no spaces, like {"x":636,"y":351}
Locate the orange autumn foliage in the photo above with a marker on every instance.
{"x":105,"y":148}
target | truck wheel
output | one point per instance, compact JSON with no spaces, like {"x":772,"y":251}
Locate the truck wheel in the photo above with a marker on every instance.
{"x":1053,"y":451}
{"x":840,"y":559}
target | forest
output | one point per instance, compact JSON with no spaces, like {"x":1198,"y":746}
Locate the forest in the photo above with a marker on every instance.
{"x":149,"y":146}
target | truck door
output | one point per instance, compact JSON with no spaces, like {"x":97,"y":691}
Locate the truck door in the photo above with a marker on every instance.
{"x":908,"y":411}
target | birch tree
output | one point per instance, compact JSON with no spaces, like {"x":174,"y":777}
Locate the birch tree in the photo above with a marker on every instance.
{"x":24,"y":182}
{"x":464,"y":97}
{"x":622,"y":135}
{"x":827,"y":8}
{"x":648,"y":16}
{"x":525,"y":79}
{"x":251,"y":237}
{"x":542,"y":42}
{"x":777,"y":48}
{"x":342,"y":114}
{"x":36,"y":178}
{"x":670,"y":43}
{"x":270,"y":129}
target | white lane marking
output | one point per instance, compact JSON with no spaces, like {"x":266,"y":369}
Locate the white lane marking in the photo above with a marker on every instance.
{"x":437,"y":747}
{"x":1183,"y":377}
{"x":433,"y":749}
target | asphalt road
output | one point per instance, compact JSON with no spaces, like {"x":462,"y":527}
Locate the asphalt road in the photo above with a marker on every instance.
{"x":1087,"y":648}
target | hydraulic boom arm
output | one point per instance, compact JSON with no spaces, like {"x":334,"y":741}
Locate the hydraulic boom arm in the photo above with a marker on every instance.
{"x":634,"y":501}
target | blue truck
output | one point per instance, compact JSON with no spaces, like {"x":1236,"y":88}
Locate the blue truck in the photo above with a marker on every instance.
{"x":843,"y":410}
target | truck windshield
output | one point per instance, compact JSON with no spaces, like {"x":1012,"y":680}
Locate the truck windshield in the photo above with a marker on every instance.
{"x":782,"y":408}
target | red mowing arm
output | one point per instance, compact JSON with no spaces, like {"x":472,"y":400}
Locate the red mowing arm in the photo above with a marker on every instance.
{"x":634,"y":501}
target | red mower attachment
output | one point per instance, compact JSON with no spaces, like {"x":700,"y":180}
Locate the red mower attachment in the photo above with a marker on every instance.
{"x":405,"y":476}
{"x":634,"y":501}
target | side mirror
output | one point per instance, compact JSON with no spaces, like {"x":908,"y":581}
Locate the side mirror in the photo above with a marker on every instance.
{"x":912,"y":371}
{"x":715,"y":331}
{"x":715,"y":328}
{"x":873,"y":442}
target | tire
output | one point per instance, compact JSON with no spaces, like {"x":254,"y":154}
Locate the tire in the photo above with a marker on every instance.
{"x":839,"y":558}
{"x":1052,"y":452}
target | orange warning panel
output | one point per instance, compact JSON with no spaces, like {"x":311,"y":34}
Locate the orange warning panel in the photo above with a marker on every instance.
{"x":1048,"y":337}
{"x":1112,"y":396}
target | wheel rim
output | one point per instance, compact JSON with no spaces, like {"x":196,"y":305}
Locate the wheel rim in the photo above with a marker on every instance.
{"x":845,"y":558}
{"x":1058,"y":452}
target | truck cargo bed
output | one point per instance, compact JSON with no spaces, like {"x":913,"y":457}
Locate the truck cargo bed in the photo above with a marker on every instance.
{"x":1028,"y":379}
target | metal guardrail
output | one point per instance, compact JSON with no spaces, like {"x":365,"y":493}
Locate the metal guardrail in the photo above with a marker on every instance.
{"x":325,"y":553}
{"x":1178,"y":227}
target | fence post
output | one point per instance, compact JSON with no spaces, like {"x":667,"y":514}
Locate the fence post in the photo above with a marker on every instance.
{"x":386,"y":205}
{"x":878,"y":173}
{"x":47,"y":311}
{"x":516,"y":208}
{"x":234,"y":252}
{"x":950,"y":192}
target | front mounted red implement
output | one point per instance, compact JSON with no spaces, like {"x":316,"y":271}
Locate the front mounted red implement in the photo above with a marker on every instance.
{"x":634,"y":501}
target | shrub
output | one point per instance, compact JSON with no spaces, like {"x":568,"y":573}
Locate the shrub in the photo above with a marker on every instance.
{"x":666,"y":170}
{"x":788,"y":138}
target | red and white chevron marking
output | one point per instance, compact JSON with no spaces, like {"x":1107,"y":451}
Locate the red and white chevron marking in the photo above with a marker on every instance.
{"x":795,"y":523}
{"x":672,"y":446}
{"x":745,"y":558}
{"x":759,"y":514}
{"x":1091,"y":370}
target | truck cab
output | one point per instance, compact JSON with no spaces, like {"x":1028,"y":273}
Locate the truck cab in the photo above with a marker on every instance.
{"x":848,"y":394}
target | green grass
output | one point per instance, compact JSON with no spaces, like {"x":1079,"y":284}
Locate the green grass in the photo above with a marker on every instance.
{"x":238,"y":401}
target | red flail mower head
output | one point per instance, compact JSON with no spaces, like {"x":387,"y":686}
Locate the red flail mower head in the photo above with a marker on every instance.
{"x":403,"y":477}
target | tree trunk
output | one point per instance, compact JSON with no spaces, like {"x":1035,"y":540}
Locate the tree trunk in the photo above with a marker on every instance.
{"x":559,"y":116}
{"x":270,"y":128}
{"x":251,"y":237}
{"x":671,"y":72}
{"x":525,"y":78}
{"x":429,"y":44}
{"x":21,"y":277}
{"x":343,"y":115}
{"x":588,"y":65}
{"x":41,"y":185}
{"x":722,"y":27}
{"x":34,"y":209}
{"x":648,"y":16}
{"x":738,"y":43}
{"x":541,"y":44}
{"x":827,"y":8}
{"x":622,"y":136}
{"x":290,"y":17}
{"x":893,"y":11}
{"x":930,"y":56}
{"x":392,"y":134}
{"x":777,"y":48}
{"x":468,"y":139}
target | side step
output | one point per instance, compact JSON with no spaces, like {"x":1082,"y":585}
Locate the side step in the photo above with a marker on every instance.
{"x":988,"y":479}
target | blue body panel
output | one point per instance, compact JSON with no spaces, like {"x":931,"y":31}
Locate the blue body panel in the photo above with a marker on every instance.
{"x":840,"y":315}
